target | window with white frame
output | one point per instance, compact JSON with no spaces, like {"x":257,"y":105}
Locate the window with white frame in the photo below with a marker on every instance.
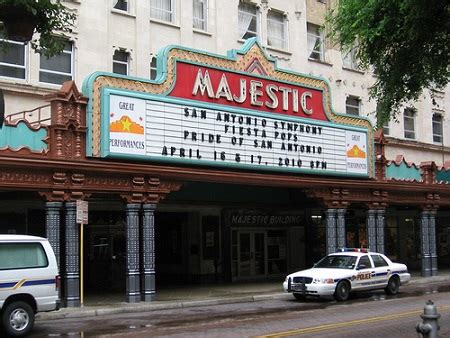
{"x":121,"y":5}
{"x":247,"y":20}
{"x":58,"y":68}
{"x":316,"y":42}
{"x":409,"y":123}
{"x":120,"y":62}
{"x":352,"y":105}
{"x":349,"y":59}
{"x":437,"y":128}
{"x":12,"y":58}
{"x":200,"y":10}
{"x":386,"y":129}
{"x":153,"y":68}
{"x":162,"y":10}
{"x":276,"y":30}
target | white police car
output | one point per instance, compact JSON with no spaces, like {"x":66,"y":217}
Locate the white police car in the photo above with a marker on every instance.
{"x":347,"y":271}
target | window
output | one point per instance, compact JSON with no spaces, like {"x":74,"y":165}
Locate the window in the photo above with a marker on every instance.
{"x":349,"y":59}
{"x":58,"y":68}
{"x":316,"y":47}
{"x":248,"y":20}
{"x":364,"y":263}
{"x":120,"y":62}
{"x":22,"y":256}
{"x":200,"y":14}
{"x":121,"y":5}
{"x":276,"y":30}
{"x":378,"y":261}
{"x":162,"y":10}
{"x":386,"y":129}
{"x":12,"y":58}
{"x":437,"y":128}
{"x":409,"y":123}
{"x":352,"y":105}
{"x":153,"y":69}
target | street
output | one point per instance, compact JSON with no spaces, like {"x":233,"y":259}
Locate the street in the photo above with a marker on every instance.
{"x":366,"y":314}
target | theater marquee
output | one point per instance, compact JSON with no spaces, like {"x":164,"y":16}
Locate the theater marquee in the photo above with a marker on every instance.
{"x":239,"y":111}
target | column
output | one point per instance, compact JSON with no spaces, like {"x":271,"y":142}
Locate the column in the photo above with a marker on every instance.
{"x":380,"y":225}
{"x":330,"y":215}
{"x":133,"y":289}
{"x":432,"y":239}
{"x":52,"y":226}
{"x":340,"y":229}
{"x":148,"y":253}
{"x":371,"y":226}
{"x":425,"y":243}
{"x":72,"y":274}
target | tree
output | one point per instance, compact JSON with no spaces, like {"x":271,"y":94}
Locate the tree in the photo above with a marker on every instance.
{"x":50,"y":19}
{"x":405,"y":43}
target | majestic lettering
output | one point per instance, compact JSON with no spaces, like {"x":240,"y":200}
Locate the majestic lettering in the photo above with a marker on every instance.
{"x":255,"y":92}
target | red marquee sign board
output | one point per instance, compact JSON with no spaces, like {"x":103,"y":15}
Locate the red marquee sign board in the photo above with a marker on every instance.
{"x":239,"y":111}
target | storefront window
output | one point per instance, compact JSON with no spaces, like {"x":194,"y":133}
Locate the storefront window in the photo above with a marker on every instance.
{"x":277,"y":251}
{"x":412,"y":239}
{"x":317,"y":246}
{"x":443,"y":239}
{"x":356,"y":236}
{"x":391,"y":238}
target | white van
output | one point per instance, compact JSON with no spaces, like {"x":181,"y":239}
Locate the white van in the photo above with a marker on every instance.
{"x":29,"y":282}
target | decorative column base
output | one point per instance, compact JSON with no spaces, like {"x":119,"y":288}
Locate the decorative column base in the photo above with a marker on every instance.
{"x":426,"y":266}
{"x":133,"y":287}
{"x":72,"y":290}
{"x":434,"y":265}
{"x":149,"y":286}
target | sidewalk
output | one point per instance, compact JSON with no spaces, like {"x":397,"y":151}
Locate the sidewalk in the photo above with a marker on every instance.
{"x":191,"y":296}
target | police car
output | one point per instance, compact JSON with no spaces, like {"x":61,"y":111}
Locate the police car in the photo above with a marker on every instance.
{"x":347,"y":271}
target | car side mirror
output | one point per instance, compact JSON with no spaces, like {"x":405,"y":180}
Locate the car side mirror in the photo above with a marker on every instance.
{"x":361,"y":266}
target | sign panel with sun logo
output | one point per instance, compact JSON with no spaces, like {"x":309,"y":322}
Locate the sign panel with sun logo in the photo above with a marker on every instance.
{"x":126,"y":125}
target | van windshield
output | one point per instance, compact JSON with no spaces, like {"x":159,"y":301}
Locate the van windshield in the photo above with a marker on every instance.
{"x":337,"y":262}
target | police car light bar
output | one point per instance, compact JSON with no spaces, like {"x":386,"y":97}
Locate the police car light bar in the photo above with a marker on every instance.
{"x":365,"y":250}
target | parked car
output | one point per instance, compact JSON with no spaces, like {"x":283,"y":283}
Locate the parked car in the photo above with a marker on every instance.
{"x":347,"y":271}
{"x":29,"y":282}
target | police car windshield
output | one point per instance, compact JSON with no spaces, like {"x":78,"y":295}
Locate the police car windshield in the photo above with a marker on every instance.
{"x":337,"y":262}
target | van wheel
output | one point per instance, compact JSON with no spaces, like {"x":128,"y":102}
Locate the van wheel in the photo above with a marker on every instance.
{"x":342,"y":291}
{"x":18,"y":319}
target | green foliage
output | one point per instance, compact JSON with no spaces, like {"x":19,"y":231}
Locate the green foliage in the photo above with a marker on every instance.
{"x":404,"y":42}
{"x":51,"y":18}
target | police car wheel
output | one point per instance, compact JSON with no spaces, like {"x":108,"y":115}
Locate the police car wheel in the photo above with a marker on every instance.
{"x":299,"y":296}
{"x":17,"y":319}
{"x":342,"y":291}
{"x":393,"y":286}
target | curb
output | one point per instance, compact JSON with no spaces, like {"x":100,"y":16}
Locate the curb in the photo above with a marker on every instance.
{"x":123,"y":307}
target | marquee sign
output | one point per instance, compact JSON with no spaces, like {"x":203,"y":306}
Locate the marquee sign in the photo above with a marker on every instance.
{"x":235,"y":112}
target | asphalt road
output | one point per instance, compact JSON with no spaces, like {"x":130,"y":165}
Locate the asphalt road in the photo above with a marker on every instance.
{"x":368,"y":315}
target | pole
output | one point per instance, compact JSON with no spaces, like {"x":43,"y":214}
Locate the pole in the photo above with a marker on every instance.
{"x":81,"y":264}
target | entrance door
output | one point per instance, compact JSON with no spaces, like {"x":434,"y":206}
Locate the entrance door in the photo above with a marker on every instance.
{"x":251,"y":256}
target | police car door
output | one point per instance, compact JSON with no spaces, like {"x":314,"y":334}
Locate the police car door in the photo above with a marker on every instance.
{"x":382,"y":269}
{"x":364,"y":274}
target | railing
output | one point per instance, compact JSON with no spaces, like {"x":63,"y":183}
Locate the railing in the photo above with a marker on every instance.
{"x":34,"y":116}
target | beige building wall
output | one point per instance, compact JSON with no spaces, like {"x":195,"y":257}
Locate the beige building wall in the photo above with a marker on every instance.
{"x":101,"y":30}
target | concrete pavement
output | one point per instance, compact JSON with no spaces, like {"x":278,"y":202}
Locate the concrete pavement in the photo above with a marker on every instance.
{"x":193,"y":296}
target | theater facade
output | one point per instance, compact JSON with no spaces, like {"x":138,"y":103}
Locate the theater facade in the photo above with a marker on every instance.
{"x":224,"y":168}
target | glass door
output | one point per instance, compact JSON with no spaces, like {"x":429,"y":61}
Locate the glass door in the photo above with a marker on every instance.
{"x":251,"y":253}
